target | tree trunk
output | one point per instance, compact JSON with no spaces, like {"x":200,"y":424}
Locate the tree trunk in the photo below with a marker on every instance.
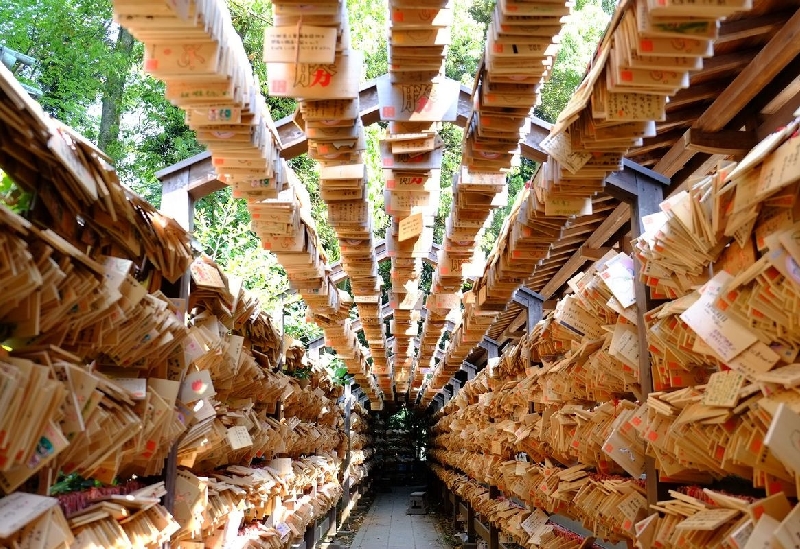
{"x":114,"y":90}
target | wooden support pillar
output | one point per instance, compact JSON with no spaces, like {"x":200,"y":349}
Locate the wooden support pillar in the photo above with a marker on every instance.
{"x":278,"y":410}
{"x":470,"y":524}
{"x":643,"y":190}
{"x":492,"y":347}
{"x":494,"y":532}
{"x":470,"y":369}
{"x":310,"y":535}
{"x":333,"y":517}
{"x":176,"y":202}
{"x":456,"y":509}
{"x":348,"y":409}
{"x":533,"y":302}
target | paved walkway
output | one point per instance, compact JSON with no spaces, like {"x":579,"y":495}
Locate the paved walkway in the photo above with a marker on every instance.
{"x":388,"y":527}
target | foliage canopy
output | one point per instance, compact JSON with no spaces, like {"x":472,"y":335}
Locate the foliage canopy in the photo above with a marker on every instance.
{"x":85,"y":64}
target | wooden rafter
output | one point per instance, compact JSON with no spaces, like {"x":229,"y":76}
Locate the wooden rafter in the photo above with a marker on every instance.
{"x":768,"y":63}
{"x":616,"y":220}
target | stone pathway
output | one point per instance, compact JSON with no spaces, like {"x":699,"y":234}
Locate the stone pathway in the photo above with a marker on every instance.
{"x":388,"y":527}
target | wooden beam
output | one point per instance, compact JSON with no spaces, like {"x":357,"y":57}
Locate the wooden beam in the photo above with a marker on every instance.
{"x":680,"y":118}
{"x":530,"y":147}
{"x":748,"y":27}
{"x":593,"y":254}
{"x":294,"y":143}
{"x":293,"y":139}
{"x":695,"y":94}
{"x":775,"y":66}
{"x":660,"y":141}
{"x":514,"y":326}
{"x":780,"y":109}
{"x":684,"y":173}
{"x":782,"y":48}
{"x":720,"y":65}
{"x":647,"y":160}
{"x":549,"y":305}
{"x":725,"y":142}
{"x":617,"y":219}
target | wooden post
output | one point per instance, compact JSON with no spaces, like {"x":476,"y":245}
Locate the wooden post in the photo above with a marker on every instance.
{"x":176,"y":202}
{"x":494,"y":532}
{"x":533,"y":303}
{"x":310,"y":535}
{"x":643,"y":190}
{"x":491,"y":346}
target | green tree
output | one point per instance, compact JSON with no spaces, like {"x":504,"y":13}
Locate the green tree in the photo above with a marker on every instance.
{"x":114,"y":94}
{"x":579,"y":40}
{"x":466,"y":47}
{"x":72,"y":41}
{"x":516,"y":182}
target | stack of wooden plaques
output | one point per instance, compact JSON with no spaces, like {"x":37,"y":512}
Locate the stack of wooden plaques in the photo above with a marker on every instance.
{"x":696,"y":517}
{"x":240,"y":412}
{"x":412,"y":165}
{"x":486,"y":426}
{"x":233,"y":390}
{"x":419,"y":37}
{"x":361,"y":445}
{"x":523,"y":246}
{"x":647,"y":55}
{"x":64,"y":312}
{"x":723,"y":349}
{"x":78,"y":193}
{"x":125,"y":381}
{"x":321,"y":71}
{"x":521,"y":43}
{"x":210,"y":77}
{"x":441,"y":310}
{"x":726,"y":353}
{"x":415,"y":98}
{"x":113,"y":518}
{"x":196,"y":51}
{"x":475,"y":195}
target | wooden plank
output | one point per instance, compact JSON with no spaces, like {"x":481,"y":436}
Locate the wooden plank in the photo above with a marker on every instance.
{"x":695,"y":94}
{"x":720,"y":65}
{"x":780,"y":109}
{"x":594,"y":254}
{"x":661,"y":141}
{"x":675,"y":159}
{"x":782,"y":48}
{"x":481,"y":530}
{"x":530,"y":147}
{"x":617,"y":219}
{"x":749,"y":27}
{"x":680,"y":118}
{"x":647,"y":160}
{"x":514,"y":326}
{"x":724,"y":142}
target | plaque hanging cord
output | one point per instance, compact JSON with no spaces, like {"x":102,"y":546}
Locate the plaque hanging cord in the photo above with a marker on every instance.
{"x":297,"y":47}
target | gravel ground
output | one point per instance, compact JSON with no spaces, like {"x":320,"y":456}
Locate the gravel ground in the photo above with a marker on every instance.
{"x":344,"y":537}
{"x":445,"y":525}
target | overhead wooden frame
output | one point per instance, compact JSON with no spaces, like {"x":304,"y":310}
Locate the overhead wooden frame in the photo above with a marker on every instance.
{"x":190,"y":180}
{"x":762,"y":96}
